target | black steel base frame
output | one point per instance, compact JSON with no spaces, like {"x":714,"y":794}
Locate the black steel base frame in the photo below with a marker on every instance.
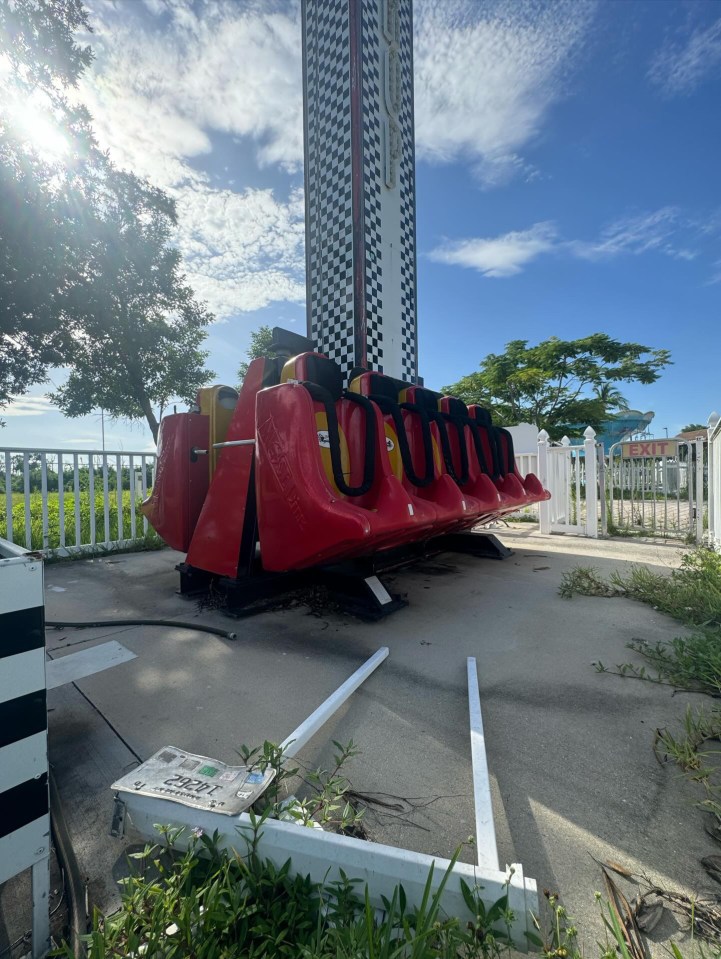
{"x":354,"y":584}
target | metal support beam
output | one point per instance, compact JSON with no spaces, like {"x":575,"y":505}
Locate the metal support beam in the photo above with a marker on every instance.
{"x":40,"y":876}
{"x":487,"y":850}
{"x":293,"y":744}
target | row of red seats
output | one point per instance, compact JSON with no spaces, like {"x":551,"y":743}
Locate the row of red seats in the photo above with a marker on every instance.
{"x":333,"y":472}
{"x":347,"y":472}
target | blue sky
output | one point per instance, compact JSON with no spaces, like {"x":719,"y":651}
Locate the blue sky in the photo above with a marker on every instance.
{"x":568,"y":158}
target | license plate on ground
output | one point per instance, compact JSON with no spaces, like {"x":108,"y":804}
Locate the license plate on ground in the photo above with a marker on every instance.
{"x":197,"y":781}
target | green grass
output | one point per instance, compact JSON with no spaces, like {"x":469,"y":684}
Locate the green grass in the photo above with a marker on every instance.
{"x":691,"y":595}
{"x":116,"y":530}
{"x":211,"y":905}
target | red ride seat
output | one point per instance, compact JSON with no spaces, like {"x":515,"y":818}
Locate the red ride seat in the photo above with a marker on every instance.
{"x":530,"y":482}
{"x":505,"y":473}
{"x":420,"y":483}
{"x":457,"y":508}
{"x":324,"y":485}
{"x":469,"y":459}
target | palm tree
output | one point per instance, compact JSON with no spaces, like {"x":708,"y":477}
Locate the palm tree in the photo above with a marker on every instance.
{"x":611,"y":397}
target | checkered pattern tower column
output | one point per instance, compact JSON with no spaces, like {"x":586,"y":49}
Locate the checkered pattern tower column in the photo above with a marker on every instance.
{"x":360,"y":182}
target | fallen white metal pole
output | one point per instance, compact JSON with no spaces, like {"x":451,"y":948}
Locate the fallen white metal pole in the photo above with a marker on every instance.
{"x":487,"y":850}
{"x":299,"y":737}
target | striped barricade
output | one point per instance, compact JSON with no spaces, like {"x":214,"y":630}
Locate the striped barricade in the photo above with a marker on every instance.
{"x":24,"y":800}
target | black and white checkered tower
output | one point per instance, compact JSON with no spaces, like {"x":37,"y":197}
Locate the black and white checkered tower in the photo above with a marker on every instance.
{"x":360,"y":183}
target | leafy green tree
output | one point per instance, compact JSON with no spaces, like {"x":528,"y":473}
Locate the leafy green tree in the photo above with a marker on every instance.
{"x":87,"y":276}
{"x":611,"y":397}
{"x":694,"y":426}
{"x":557,"y":383}
{"x":260,"y":345}
{"x":49,"y":169}
{"x":142,"y":328}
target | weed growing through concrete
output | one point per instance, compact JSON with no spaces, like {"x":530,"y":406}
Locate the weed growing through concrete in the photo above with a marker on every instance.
{"x":328,"y":805}
{"x":691,"y":594}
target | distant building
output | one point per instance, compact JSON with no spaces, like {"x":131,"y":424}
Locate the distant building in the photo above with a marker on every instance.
{"x":626,"y":425}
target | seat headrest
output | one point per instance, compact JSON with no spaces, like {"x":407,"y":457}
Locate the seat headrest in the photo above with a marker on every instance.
{"x":383,"y":386}
{"x":315,"y":368}
{"x":482,"y":416}
{"x":272,"y":370}
{"x":455,"y":407}
{"x":426,"y":399}
{"x":370,"y":383}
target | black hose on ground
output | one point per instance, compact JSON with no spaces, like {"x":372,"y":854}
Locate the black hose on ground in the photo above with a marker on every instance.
{"x":198,"y":627}
{"x":75,"y":887}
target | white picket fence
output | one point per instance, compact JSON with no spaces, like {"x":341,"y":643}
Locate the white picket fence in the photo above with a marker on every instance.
{"x":714,"y":480}
{"x":63,"y":501}
{"x":569,"y":472}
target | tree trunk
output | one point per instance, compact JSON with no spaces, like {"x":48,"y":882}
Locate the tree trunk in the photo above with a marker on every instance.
{"x":149,"y":415}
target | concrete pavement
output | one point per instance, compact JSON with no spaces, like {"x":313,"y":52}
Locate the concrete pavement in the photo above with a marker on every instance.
{"x":569,"y":750}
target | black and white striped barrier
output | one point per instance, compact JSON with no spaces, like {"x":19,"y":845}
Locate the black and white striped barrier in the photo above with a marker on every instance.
{"x":24,"y":798}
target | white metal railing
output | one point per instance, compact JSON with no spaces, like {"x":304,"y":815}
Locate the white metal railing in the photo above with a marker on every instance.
{"x":65,"y":500}
{"x":569,"y":472}
{"x":714,"y":480}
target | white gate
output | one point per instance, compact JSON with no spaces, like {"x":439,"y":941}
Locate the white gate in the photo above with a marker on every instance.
{"x":656,"y":488}
{"x":569,"y":472}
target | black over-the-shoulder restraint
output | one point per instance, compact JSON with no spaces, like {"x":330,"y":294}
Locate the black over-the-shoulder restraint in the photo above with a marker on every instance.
{"x":393,"y":409}
{"x":321,"y":395}
{"x":483,"y":418}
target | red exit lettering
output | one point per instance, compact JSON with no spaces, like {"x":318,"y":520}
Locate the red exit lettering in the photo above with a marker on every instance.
{"x":650,"y":448}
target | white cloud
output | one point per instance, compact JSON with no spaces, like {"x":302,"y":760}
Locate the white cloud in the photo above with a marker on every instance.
{"x":663,"y":231}
{"x":635,"y":234}
{"x":158,"y":90}
{"x":242,"y":251}
{"x":486,"y":76}
{"x":171,"y":75}
{"x":499,"y":256}
{"x":679,"y":68}
{"x":29,"y":406}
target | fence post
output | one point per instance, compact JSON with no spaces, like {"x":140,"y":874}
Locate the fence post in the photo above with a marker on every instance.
{"x":699,"y":489}
{"x":714,"y":482}
{"x":589,"y":455}
{"x":601,"y":466}
{"x":544,"y":508}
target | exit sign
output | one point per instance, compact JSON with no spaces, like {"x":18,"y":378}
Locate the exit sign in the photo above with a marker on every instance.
{"x":649,"y":448}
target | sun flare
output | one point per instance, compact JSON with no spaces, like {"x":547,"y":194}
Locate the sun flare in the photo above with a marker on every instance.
{"x":31,"y":119}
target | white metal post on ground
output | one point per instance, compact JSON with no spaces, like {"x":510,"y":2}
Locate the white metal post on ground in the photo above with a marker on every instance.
{"x":486,"y":848}
{"x":326,"y":857}
{"x":544,"y":508}
{"x":589,"y":451}
{"x":292,"y":744}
